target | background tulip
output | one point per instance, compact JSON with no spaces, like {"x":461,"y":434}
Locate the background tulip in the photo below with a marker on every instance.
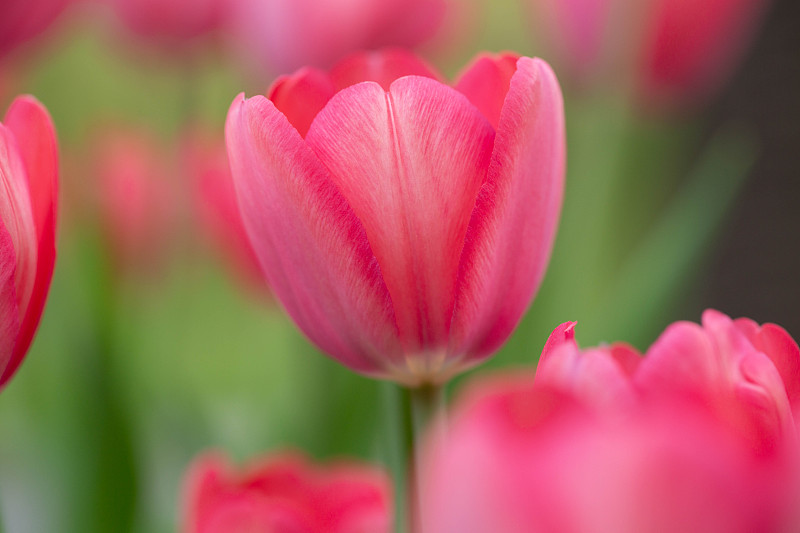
{"x":172,"y":22}
{"x":283,"y":35}
{"x":135,"y":198}
{"x":285,"y":494}
{"x":29,"y":172}
{"x":216,"y":207}
{"x":674,"y":51}
{"x":408,"y":230}
{"x":21,"y":20}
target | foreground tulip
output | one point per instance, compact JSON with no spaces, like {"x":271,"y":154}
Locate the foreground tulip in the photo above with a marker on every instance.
{"x":284,"y":494}
{"x":282,"y":35}
{"x":405,"y":225}
{"x":692,"y":437}
{"x":29,"y":172}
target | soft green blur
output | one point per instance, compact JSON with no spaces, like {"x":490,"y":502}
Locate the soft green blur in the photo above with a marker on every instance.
{"x":131,"y":376}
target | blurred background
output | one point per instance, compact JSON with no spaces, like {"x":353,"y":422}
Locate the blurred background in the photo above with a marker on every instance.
{"x":160,"y":340}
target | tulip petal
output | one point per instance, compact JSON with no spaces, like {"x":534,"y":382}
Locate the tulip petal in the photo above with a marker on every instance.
{"x":36,"y":139}
{"x":312,"y":248}
{"x":17,"y":215}
{"x":381,"y":66}
{"x":300,"y":96}
{"x":779,"y":346}
{"x":513,"y":225}
{"x":486,"y":81}
{"x":683,"y":357}
{"x":9,"y":314}
{"x":428,"y":149}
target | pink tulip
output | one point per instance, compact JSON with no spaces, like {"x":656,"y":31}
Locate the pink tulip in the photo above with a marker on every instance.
{"x":749,"y":375}
{"x":694,"y":437}
{"x":405,"y":225}
{"x":283,"y":35}
{"x":284,"y":494}
{"x":690,"y":47}
{"x":22,"y":20}
{"x":674,"y":51}
{"x":135,"y":198}
{"x":216,"y":207}
{"x":172,"y":21}
{"x":29,"y":172}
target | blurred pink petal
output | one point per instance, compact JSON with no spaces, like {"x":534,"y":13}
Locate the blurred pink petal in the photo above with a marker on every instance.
{"x":520,"y":457}
{"x":216,"y":207}
{"x":672,"y":51}
{"x":689,"y":47}
{"x":172,"y":22}
{"x":22,"y":20}
{"x":29,"y":173}
{"x":285,"y":494}
{"x":135,"y":197}
{"x":360,"y":227}
{"x":282,"y":35}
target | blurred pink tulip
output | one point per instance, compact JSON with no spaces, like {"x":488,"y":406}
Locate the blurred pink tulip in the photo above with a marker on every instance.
{"x":171,"y":22}
{"x":283,"y":35}
{"x":135,"y":198}
{"x":284,"y":494}
{"x":690,"y":47}
{"x":693,"y":437}
{"x":673,"y":50}
{"x":749,"y":375}
{"x":28,"y":204}
{"x":405,"y":225}
{"x":216,"y":207}
{"x":22,"y":20}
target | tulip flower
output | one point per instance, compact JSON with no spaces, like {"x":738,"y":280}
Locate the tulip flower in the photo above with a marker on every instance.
{"x":404,"y":224}
{"x":28,"y":203}
{"x":692,"y":437}
{"x":749,"y":374}
{"x":284,"y":494}
{"x":283,"y":35}
{"x":674,"y":51}
{"x":21,"y":20}
{"x":135,"y":199}
{"x":172,"y":21}
{"x":216,"y":207}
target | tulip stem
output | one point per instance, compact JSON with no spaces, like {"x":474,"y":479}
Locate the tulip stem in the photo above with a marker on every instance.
{"x":427,"y":402}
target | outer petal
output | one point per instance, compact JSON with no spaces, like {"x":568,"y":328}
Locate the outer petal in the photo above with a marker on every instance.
{"x":779,"y":346}
{"x":9,"y":310}
{"x":486,"y":81}
{"x":300,"y":96}
{"x":428,"y":152}
{"x":36,"y":139}
{"x":312,"y":248}
{"x":513,"y":225}
{"x":382,"y":66}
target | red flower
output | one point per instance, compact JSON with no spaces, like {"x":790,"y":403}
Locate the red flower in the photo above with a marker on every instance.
{"x":284,"y":494}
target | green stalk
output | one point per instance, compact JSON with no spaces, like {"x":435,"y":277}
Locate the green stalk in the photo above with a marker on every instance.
{"x":427,"y":402}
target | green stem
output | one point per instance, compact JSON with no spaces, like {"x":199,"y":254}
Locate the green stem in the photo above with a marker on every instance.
{"x":427,"y":402}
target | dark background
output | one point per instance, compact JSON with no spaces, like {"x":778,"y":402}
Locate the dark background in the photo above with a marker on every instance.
{"x":755,"y":271}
